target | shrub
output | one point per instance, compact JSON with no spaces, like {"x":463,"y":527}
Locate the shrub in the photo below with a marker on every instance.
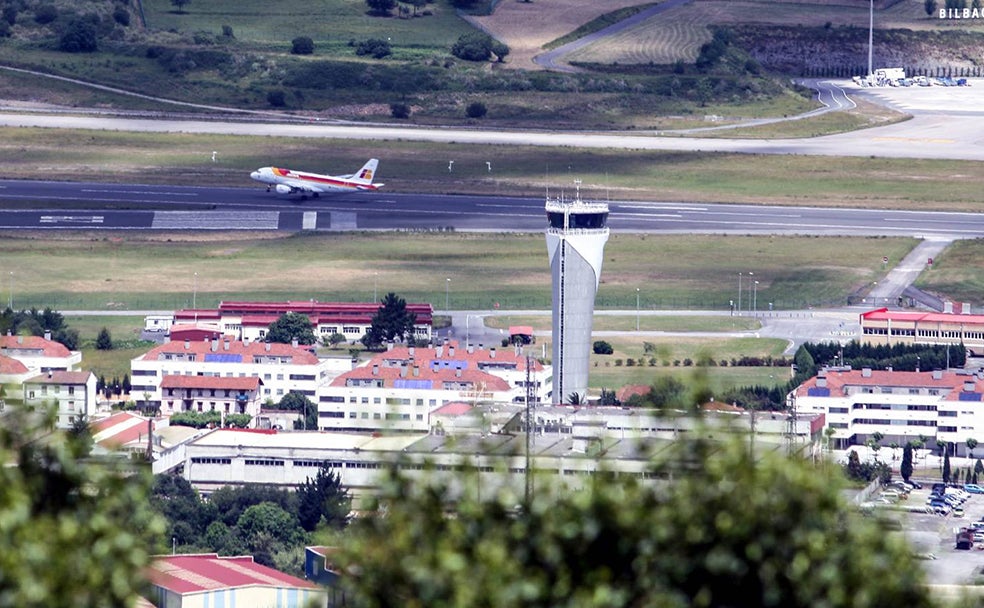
{"x":374,"y":47}
{"x":227,"y":31}
{"x":476,"y":109}
{"x":302,"y":45}
{"x":277,"y":98}
{"x":121,"y":16}
{"x":46,"y":13}
{"x":473,"y":47}
{"x":600,"y":347}
{"x":402,"y":110}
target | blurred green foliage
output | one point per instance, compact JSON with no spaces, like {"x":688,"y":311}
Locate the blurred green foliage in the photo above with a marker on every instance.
{"x":74,"y":530}
{"x":712,"y":526}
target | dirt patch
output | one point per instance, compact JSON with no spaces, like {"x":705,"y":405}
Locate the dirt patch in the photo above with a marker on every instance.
{"x":526,"y":26}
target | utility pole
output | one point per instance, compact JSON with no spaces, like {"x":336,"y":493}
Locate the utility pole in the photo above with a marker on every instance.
{"x":529,"y":430}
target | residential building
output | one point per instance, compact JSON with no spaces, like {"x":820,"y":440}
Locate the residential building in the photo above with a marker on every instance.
{"x":250,"y":320}
{"x":281,"y":368}
{"x":13,"y":373}
{"x":123,"y":433}
{"x":72,"y":394}
{"x":903,"y":406}
{"x":211,"y":394}
{"x":398,"y":389}
{"x":889,"y":327}
{"x":40,"y":354}
{"x":210,"y":581}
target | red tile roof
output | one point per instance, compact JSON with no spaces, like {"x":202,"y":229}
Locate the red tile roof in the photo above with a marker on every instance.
{"x":60,"y":377}
{"x":49,"y":348}
{"x":119,"y":429}
{"x":390,"y":375}
{"x":249,"y":352}
{"x":453,"y":408}
{"x":235,"y":384}
{"x":837,"y":380}
{"x":9,"y":365}
{"x":184,"y":574}
{"x":883,"y":314}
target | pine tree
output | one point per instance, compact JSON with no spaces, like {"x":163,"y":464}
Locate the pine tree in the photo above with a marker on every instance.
{"x":323,"y":497}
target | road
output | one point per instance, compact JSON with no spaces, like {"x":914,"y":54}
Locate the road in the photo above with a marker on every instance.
{"x":90,"y":205}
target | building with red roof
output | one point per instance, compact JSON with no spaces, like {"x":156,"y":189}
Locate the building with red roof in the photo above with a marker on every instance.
{"x":250,"y":320}
{"x":122,"y":432}
{"x":890,"y":327}
{"x":281,"y":368}
{"x":903,"y":406}
{"x":207,"y":580}
{"x":72,"y":394}
{"x":211,"y":394}
{"x":33,"y":355}
{"x":399,"y":388}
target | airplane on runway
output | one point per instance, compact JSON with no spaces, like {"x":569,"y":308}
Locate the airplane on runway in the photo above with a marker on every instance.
{"x":286,"y":181}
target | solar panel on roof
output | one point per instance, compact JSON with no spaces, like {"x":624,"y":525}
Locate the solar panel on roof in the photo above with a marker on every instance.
{"x":407,"y":383}
{"x":437,"y":364}
{"x":969,"y":396}
{"x":223,"y":358}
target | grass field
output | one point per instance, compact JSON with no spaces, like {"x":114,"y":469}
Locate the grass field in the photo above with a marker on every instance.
{"x":99,"y":271}
{"x":528,"y":171}
{"x":958,"y":273}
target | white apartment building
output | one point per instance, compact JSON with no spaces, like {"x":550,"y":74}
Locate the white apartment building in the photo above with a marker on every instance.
{"x":23,"y":357}
{"x":211,"y":394}
{"x":400,"y":388}
{"x":281,"y":368}
{"x":902,"y":406}
{"x":73,"y":394}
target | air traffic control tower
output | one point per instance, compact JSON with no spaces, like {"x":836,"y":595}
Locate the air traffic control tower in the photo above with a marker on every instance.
{"x":576,"y":237}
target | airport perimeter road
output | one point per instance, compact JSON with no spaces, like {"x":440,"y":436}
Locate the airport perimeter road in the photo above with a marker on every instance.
{"x":947,"y":124}
{"x":81,"y":205}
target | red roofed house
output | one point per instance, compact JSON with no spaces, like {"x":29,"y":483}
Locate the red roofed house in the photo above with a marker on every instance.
{"x":398,"y":389}
{"x":281,"y":368}
{"x":211,"y":394}
{"x":122,"y":432}
{"x":902,"y":406}
{"x":210,"y":581}
{"x":22,"y":357}
{"x":249,"y":320}
{"x":883,"y":326}
{"x":72,"y":393}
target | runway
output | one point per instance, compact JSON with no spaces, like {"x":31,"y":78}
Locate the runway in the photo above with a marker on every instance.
{"x":106,"y":206}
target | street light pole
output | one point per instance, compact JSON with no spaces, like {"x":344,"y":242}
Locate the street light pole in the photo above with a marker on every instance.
{"x":194,"y":294}
{"x":637,"y":309}
{"x":447,"y":294}
{"x":755,"y":298}
{"x":750,"y":275}
{"x":375,"y":280}
{"x":10,"y":297}
{"x":739,"y":294}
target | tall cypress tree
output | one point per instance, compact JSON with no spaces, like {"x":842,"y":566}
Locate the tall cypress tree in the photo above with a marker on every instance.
{"x":905,"y":469}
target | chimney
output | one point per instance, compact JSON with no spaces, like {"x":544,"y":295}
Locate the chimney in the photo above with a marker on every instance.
{"x":20,"y":339}
{"x":457,"y":372}
{"x":410,"y":350}
{"x":416,"y":371}
{"x":890,"y":369}
{"x":492,"y":353}
{"x":293,"y":342}
{"x":821,"y":382}
{"x":375,"y":370}
{"x":471,"y":349}
{"x":187,"y":344}
{"x":450,"y":350}
{"x":969,"y":386}
{"x":215,"y":345}
{"x":167,"y":339}
{"x":937,"y":374}
{"x":439,"y":351}
{"x":389,"y":346}
{"x":865,"y":372}
{"x":47,"y":335}
{"x":267,"y":347}
{"x":225,"y":345}
{"x":403,"y":371}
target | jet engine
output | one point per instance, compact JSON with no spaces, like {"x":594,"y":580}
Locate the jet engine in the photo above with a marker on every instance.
{"x":282,"y":189}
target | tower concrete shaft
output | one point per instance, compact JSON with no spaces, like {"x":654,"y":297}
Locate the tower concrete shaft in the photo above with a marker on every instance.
{"x":576,"y":237}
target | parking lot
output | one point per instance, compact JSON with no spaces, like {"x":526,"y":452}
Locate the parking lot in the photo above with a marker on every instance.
{"x":934,"y":534}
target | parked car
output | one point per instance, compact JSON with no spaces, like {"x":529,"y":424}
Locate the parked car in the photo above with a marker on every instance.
{"x":958,"y":512}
